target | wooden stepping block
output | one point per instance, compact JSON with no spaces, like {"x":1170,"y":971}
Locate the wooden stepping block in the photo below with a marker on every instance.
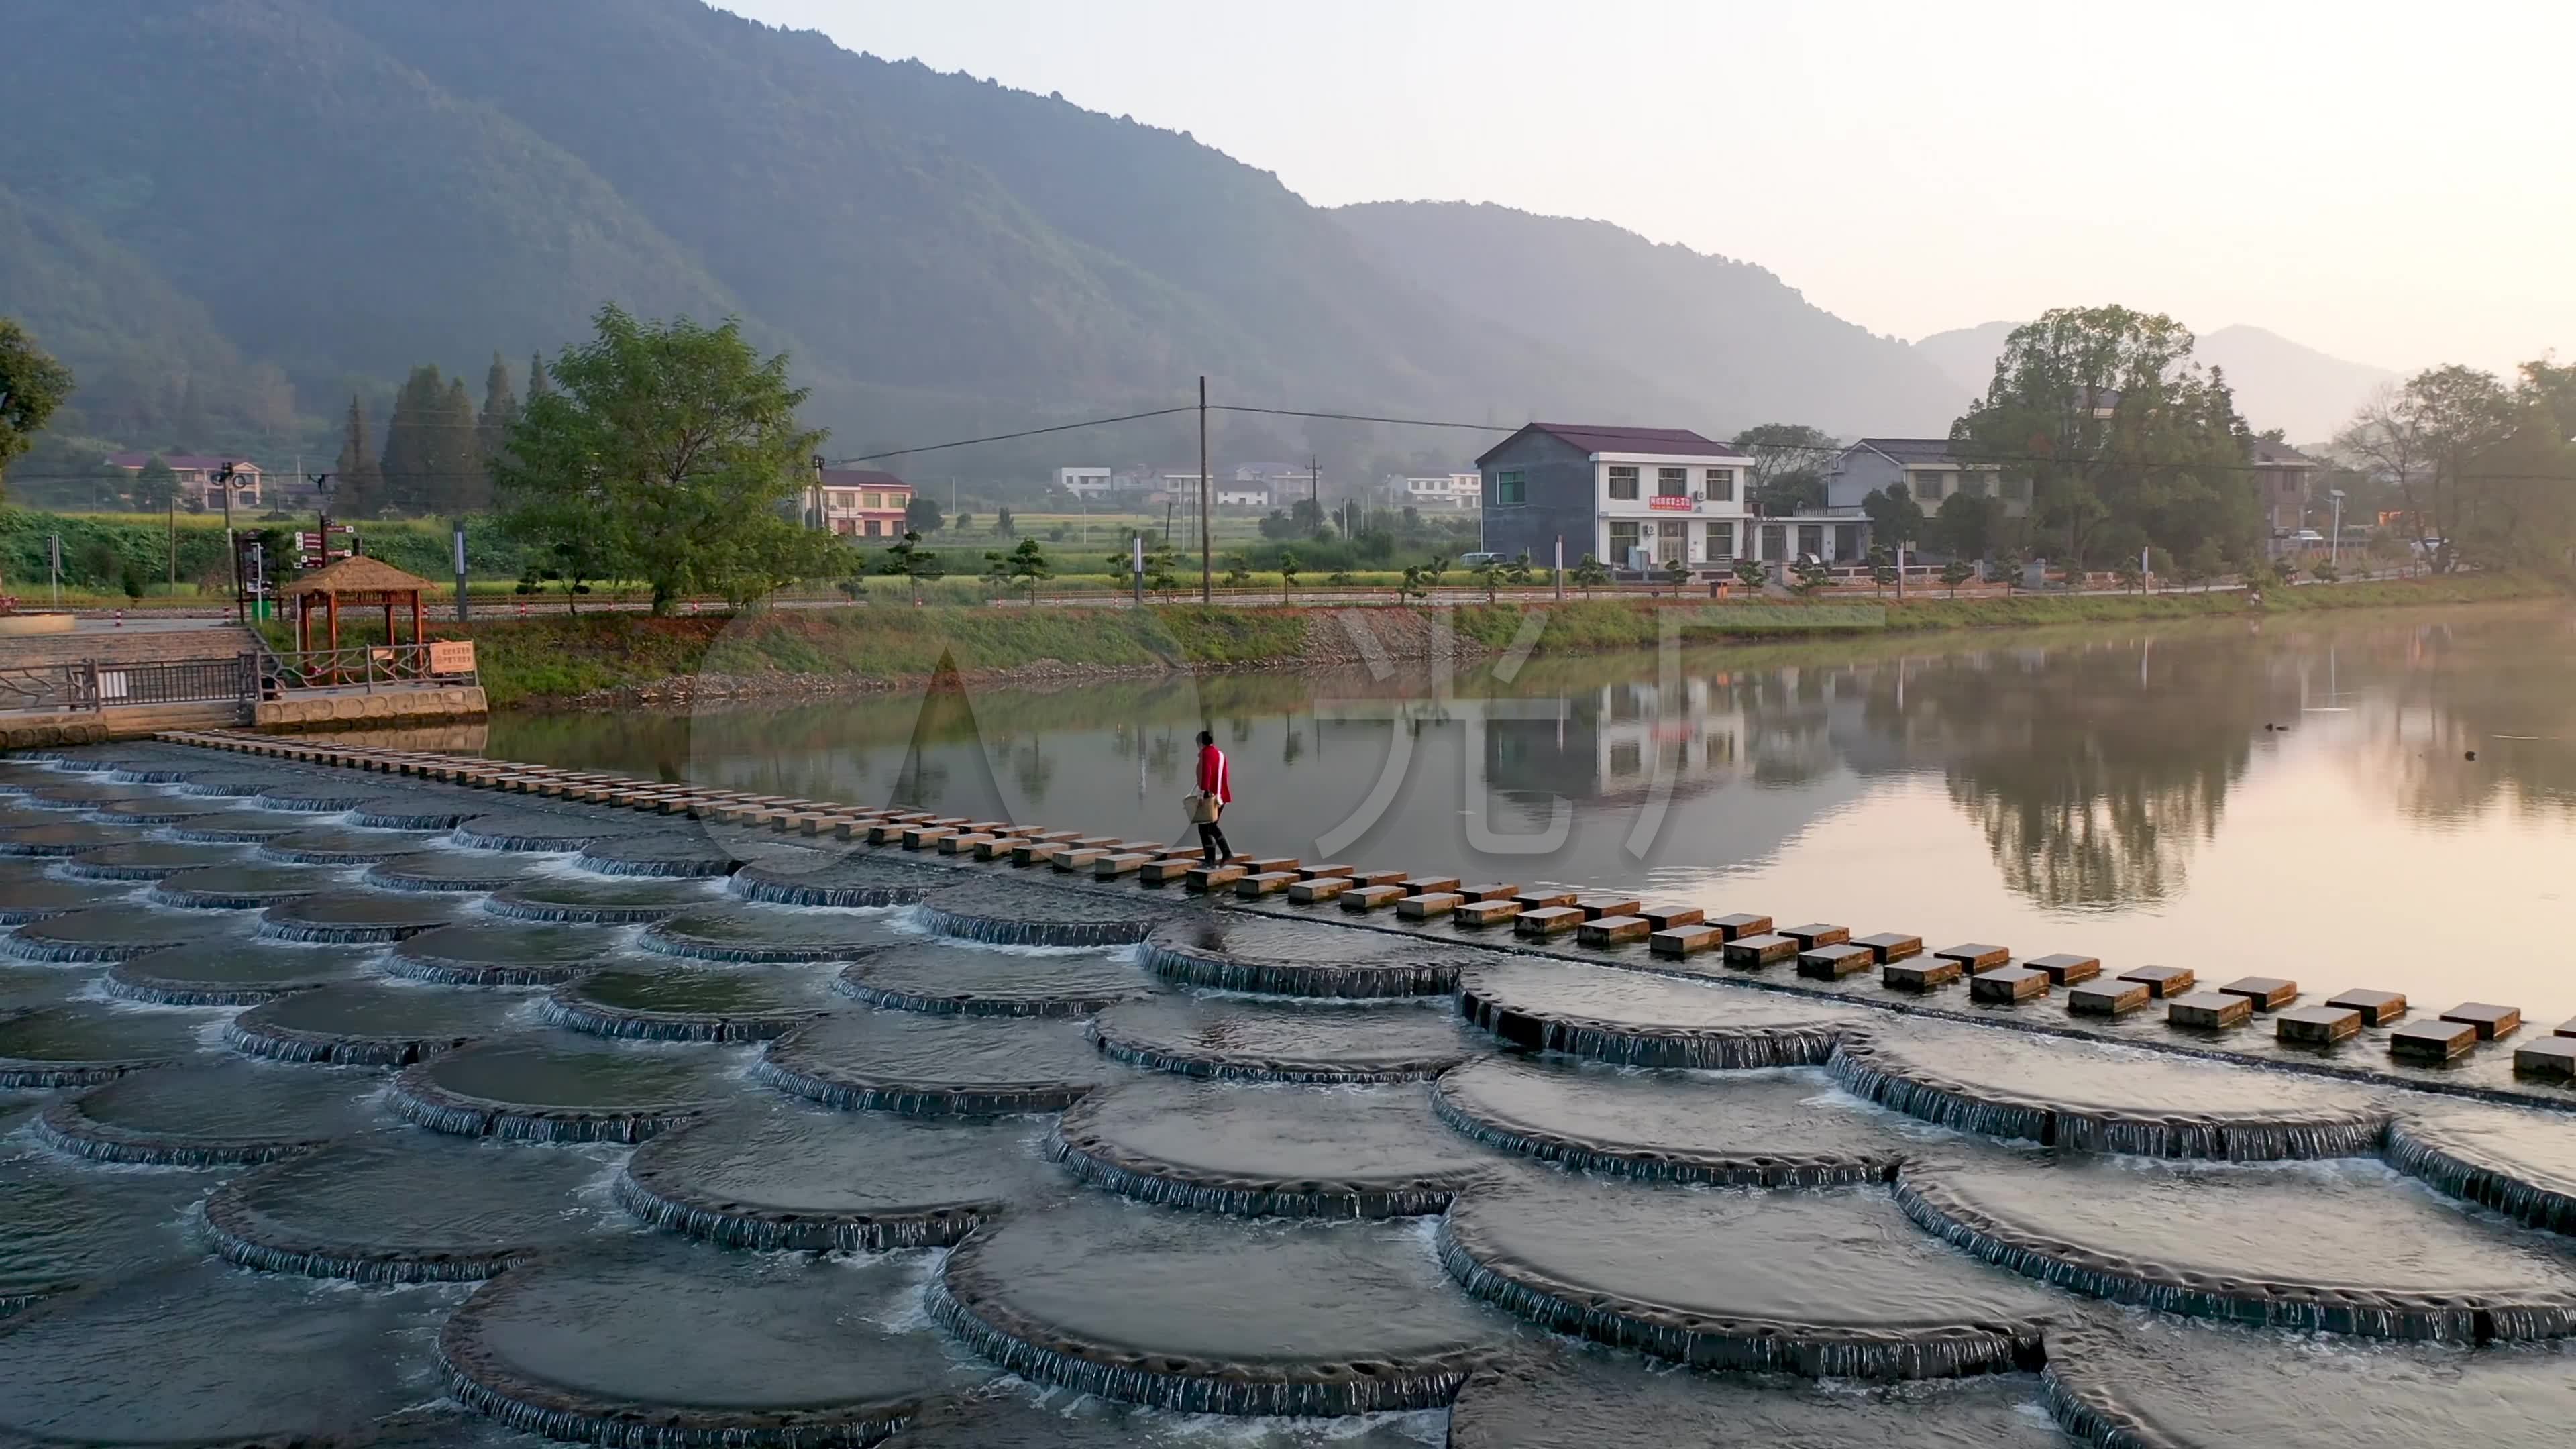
{"x":2317,"y":1025}
{"x":986,"y":827}
{"x":2065,"y":969}
{"x":2109,"y":998}
{"x":964,"y":844}
{"x":2432,"y":1041}
{"x":1370,"y":897}
{"x":1094,"y":842}
{"x":1426,"y":885}
{"x":1319,"y":872}
{"x":1213,"y":877}
{"x":1320,"y":889}
{"x":2165,"y":981}
{"x":1169,"y":869}
{"x":1267,"y":883}
{"x":1758,"y":951}
{"x":1052,"y":837}
{"x":2268,"y":993}
{"x":1740,"y":925}
{"x":1613,"y":931}
{"x":1543,"y":898}
{"x":1891,"y":946}
{"x":998,"y":848}
{"x":2010,"y":984}
{"x":1378,"y":877}
{"x":2491,"y":1021}
{"x":2209,"y":1010}
{"x":1428,"y":905}
{"x":1547,"y":921}
{"x":1487,"y":913}
{"x":1679,"y":941}
{"x":2551,"y":1056}
{"x":1975,"y":955}
{"x":2377,"y":1008}
{"x":1922,"y":973}
{"x":1125,"y":862}
{"x":1665,"y":918}
{"x":1488,"y":891}
{"x":1816,"y":933}
{"x":1594,"y":907}
{"x":917,"y":837}
{"x":1037,"y":852}
{"x":1835,"y":960}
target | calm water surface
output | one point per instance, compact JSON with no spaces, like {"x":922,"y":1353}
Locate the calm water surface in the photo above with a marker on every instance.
{"x":2291,"y":798}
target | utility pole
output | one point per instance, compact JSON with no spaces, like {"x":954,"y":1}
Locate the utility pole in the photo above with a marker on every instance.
{"x":820,"y":521}
{"x":232,"y":545}
{"x":1315,"y":483}
{"x":1207,"y":556}
{"x":173,"y":545}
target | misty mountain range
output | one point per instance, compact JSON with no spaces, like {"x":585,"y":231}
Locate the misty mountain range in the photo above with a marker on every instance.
{"x":229,"y":215}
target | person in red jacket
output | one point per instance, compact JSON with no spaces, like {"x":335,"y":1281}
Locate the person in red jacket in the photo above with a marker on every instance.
{"x":1216,"y":780}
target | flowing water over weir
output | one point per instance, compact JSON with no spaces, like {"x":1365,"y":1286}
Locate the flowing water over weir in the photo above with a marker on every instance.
{"x":755,"y":1134}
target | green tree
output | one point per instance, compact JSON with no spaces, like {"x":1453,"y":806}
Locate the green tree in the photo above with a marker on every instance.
{"x":2105,"y":416}
{"x":538,"y":384}
{"x":965,"y":521}
{"x":500,"y":410}
{"x":1025,"y":566}
{"x":1288,"y":567}
{"x":677,"y":448}
{"x":1969,"y":525}
{"x":1004,"y":526}
{"x":1882,"y":567}
{"x":1956,"y":572}
{"x":1238,"y":570}
{"x":907,"y":559}
{"x":155,"y":486}
{"x":2131,"y":578}
{"x":1790,"y":463}
{"x":32,"y":386}
{"x":1519,"y":573}
{"x":1413,"y":587}
{"x":2008,"y":567}
{"x":1488,"y":574}
{"x":1308,"y":515}
{"x":922,"y":516}
{"x":1588,"y":574}
{"x":411,"y":458}
{"x":1813,"y":574}
{"x":1751,"y":573}
{"x":357,"y":480}
{"x":466,"y":478}
{"x":1894,"y":517}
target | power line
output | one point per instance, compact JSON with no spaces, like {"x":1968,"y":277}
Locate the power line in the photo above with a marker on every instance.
{"x":1006,"y":437}
{"x":1365,"y":418}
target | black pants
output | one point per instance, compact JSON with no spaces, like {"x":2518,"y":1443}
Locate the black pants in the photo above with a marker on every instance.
{"x":1212,"y":841}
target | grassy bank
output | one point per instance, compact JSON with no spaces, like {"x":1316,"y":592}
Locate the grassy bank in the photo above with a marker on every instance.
{"x":554,"y":658}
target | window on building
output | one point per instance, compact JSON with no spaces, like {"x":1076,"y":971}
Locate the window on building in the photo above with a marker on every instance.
{"x":1846,"y":541}
{"x":1775,"y":541}
{"x":1628,"y":758}
{"x":1623,"y":482}
{"x":1972,"y":485}
{"x":1511,"y":488}
{"x":1623,"y":537}
{"x":1927,"y":485}
{"x":2016,"y":490}
{"x":1721,"y":541}
{"x":1721,"y":748}
{"x":1811,"y":540}
{"x":1672,"y":482}
{"x":1721,"y":485}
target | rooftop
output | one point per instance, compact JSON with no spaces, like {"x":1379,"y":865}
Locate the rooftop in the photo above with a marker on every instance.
{"x":1611,"y":438}
{"x":861,"y":478}
{"x":180,"y":462}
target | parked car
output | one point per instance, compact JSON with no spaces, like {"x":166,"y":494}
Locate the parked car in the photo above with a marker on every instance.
{"x":1470,"y":560}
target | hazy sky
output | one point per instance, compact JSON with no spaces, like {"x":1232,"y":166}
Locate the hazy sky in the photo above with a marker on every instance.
{"x":2392,"y":183}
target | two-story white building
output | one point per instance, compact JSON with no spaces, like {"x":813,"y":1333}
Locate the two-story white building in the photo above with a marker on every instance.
{"x":1084,"y":483}
{"x":1651,"y":498}
{"x":1436,"y":490}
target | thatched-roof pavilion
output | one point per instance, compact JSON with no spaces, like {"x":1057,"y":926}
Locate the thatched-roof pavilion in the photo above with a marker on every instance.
{"x":364,"y":582}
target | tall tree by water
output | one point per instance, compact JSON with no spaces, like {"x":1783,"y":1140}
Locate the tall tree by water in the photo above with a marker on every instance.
{"x":537,"y":385}
{"x":2122,"y":439}
{"x":500,"y":410}
{"x":358,"y":481}
{"x":32,"y":385}
{"x":460,"y":455}
{"x":409,"y":456}
{"x":1790,"y":461}
{"x":677,"y":448}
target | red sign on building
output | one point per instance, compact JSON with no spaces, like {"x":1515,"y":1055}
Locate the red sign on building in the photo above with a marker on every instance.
{"x":1672,"y":503}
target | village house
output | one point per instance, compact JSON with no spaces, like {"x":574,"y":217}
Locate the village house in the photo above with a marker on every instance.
{"x":196,"y":474}
{"x":864,"y":502}
{"x":1644,"y":498}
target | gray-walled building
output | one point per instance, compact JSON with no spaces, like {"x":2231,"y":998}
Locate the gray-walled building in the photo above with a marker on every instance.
{"x":1650,"y":497}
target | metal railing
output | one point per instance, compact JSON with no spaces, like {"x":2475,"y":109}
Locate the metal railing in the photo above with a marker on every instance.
{"x":89,"y":686}
{"x":361,"y":666}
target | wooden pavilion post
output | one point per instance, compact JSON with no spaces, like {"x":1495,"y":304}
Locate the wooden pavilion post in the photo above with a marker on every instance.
{"x":331,"y":609}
